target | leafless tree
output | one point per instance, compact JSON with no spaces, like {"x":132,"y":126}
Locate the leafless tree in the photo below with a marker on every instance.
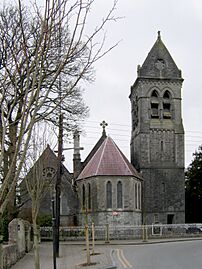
{"x":36,"y":184}
{"x":45,"y":54}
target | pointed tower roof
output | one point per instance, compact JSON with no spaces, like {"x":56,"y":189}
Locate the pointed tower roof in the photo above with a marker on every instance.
{"x":108,"y":160}
{"x":159,"y":63}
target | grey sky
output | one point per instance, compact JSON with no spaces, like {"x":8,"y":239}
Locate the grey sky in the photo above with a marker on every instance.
{"x":180,"y":23}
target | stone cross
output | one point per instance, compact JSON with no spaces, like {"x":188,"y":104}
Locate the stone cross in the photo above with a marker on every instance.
{"x":160,"y":64}
{"x":104,"y":125}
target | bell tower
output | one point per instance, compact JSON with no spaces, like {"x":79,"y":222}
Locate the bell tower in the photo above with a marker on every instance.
{"x":157,"y":137}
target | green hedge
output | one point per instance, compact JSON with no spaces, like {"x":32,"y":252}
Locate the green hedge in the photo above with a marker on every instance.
{"x":44,"y":220}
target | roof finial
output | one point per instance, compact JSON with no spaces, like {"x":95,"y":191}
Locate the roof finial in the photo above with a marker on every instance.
{"x":103,"y":124}
{"x":159,"y":34}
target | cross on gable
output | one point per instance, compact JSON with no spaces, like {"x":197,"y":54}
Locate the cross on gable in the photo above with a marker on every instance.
{"x":104,"y":125}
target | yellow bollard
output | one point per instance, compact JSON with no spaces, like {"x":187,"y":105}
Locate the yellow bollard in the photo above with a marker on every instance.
{"x":93,"y":238}
{"x":107,"y":233}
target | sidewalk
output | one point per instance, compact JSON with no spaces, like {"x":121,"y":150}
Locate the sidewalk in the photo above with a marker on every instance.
{"x":71,"y":257}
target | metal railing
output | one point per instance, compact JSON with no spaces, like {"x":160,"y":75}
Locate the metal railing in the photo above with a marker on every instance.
{"x":126,"y":232}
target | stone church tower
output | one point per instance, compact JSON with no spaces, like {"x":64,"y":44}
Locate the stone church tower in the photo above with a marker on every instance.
{"x":157,"y":139}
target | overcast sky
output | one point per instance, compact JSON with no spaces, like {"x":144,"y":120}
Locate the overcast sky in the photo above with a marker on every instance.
{"x":180,"y":23}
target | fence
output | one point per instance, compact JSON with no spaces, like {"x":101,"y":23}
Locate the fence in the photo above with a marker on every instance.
{"x":107,"y":232}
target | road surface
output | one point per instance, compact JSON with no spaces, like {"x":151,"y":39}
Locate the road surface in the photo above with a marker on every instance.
{"x":171,"y":255}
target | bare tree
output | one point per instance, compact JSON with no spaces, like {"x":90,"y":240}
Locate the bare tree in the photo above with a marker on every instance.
{"x":36,"y":183}
{"x":85,"y":208}
{"x":45,"y":54}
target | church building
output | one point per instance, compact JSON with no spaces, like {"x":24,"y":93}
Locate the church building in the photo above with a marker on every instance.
{"x":109,"y":187}
{"x":106,"y":188}
{"x":157,"y":138}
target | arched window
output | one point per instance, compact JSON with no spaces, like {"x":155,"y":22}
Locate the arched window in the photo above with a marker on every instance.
{"x":135,"y":118}
{"x":109,"y":194}
{"x":139,"y":196}
{"x":166,"y":105}
{"x":64,"y":209}
{"x":161,"y":144}
{"x":154,"y":104}
{"x":135,"y":194}
{"x":154,"y":94}
{"x":166,"y":95}
{"x":83,"y":197}
{"x":119,"y":195}
{"x":89,"y":196}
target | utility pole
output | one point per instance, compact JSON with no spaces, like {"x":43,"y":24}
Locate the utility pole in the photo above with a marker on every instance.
{"x":76,"y":147}
{"x":58,"y":183}
{"x":60,"y":146}
{"x":54,"y":230}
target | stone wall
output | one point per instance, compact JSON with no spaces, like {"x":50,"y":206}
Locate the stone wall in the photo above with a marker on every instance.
{"x":10,"y":255}
{"x":19,"y":242}
{"x":128,"y":214}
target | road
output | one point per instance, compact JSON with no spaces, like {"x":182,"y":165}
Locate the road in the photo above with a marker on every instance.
{"x":167,"y":255}
{"x":172,"y":255}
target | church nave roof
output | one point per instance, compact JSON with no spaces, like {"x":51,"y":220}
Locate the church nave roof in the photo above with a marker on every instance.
{"x":108,"y":160}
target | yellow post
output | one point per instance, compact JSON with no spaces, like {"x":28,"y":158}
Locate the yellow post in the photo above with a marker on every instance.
{"x":93,"y":238}
{"x":144,"y":233}
{"x":107,"y":233}
{"x":87,"y":245}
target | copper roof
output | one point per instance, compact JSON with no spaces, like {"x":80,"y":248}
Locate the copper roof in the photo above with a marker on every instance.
{"x":108,"y":160}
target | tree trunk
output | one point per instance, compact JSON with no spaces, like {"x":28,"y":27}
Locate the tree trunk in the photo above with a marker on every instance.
{"x":87,"y":245}
{"x":1,"y":241}
{"x":11,"y":152}
{"x":1,"y":253}
{"x":36,"y":246}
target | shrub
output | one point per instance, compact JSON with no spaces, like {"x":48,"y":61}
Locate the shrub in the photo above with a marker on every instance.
{"x":44,"y":220}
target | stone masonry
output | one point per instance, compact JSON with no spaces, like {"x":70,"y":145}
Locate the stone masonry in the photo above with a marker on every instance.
{"x":157,"y":140}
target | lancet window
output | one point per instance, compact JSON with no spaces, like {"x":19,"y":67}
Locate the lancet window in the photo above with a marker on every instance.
{"x":109,"y":194}
{"x":119,"y":195}
{"x":166,"y":105}
{"x":154,"y":105}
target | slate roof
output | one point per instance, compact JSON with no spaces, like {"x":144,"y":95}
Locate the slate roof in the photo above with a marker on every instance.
{"x":159,"y":54}
{"x":108,"y":160}
{"x":49,"y":159}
